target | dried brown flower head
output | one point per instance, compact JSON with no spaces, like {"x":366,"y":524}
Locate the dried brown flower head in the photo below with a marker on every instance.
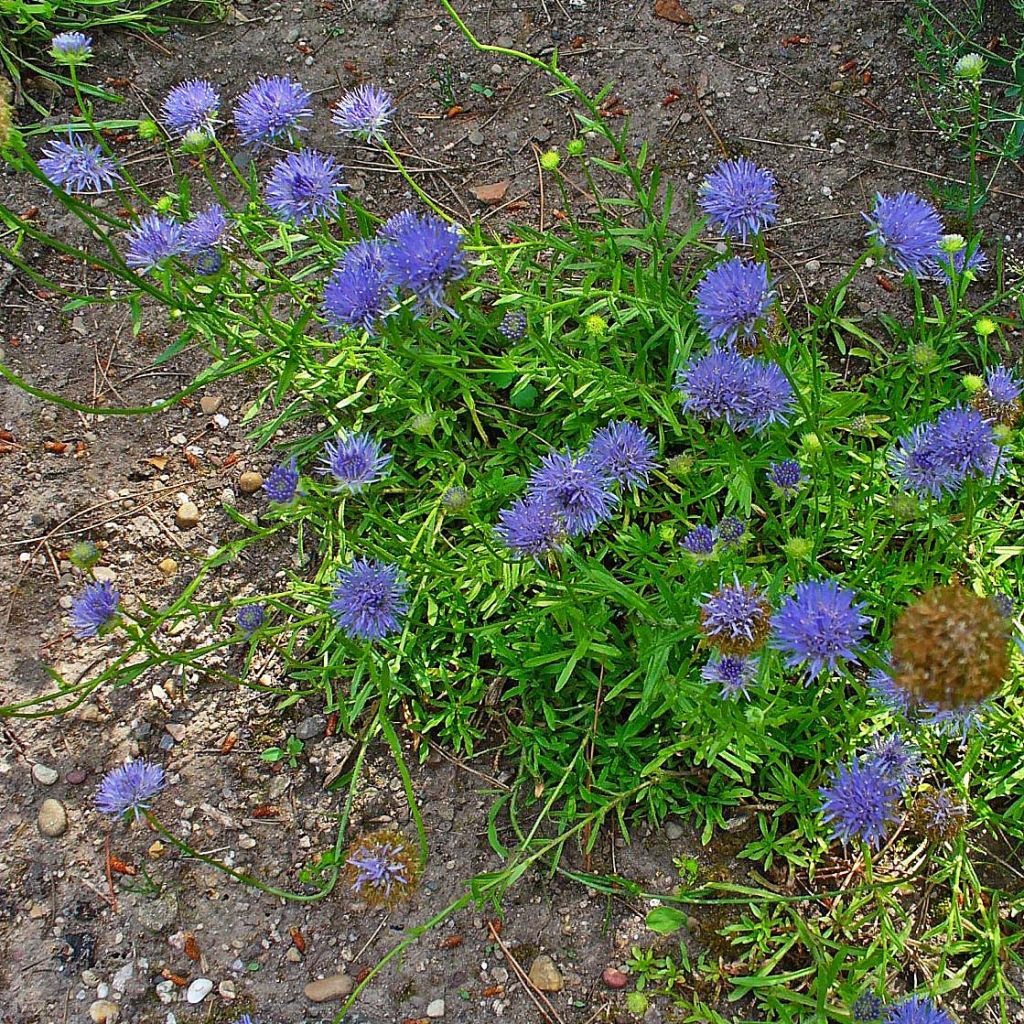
{"x":381,"y":867}
{"x":1008,"y":412}
{"x":938,"y":816}
{"x":951,"y":647}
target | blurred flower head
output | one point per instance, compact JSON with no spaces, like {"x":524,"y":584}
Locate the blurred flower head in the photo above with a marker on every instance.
{"x":513,"y":325}
{"x":78,"y":166}
{"x":732,"y":299}
{"x":382,"y":868}
{"x":700,"y":541}
{"x":359,"y":292}
{"x":624,"y":452}
{"x":192,"y":106}
{"x":206,"y":230}
{"x":999,"y":398}
{"x":731,"y":674}
{"x":282,"y":481}
{"x":422,"y":254}
{"x":530,"y":527}
{"x":71,"y":48}
{"x":154,"y":240}
{"x":970,"y":67}
{"x":84,"y":554}
{"x":860,"y":802}
{"x":250,"y":617}
{"x":576,"y":488}
{"x":908,"y":229}
{"x":355,"y":461}
{"x":365,"y":113}
{"x":736,"y":618}
{"x":939,"y":815}
{"x":94,"y":609}
{"x":785,"y":477}
{"x":304,"y":186}
{"x":916,"y":1010}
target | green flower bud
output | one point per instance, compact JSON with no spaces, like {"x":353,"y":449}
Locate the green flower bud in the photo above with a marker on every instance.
{"x":799,"y":548}
{"x":905,"y":507}
{"x":149,"y":130}
{"x":595,"y":326}
{"x":973,"y":383}
{"x":84,"y":554}
{"x":970,"y":67}
{"x":550,"y":160}
{"x":924,"y":356}
{"x":576,"y":147}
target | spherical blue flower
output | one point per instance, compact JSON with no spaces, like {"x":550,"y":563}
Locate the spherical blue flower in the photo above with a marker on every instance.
{"x":785,"y":476}
{"x":769,"y":395}
{"x":71,"y":47}
{"x":736,"y":618}
{"x":78,"y":166}
{"x":422,"y":254}
{"x":966,"y":442}
{"x":700,"y":541}
{"x":207,"y":262}
{"x":358,"y":292}
{"x":908,"y":229}
{"x":364,"y":113}
{"x":303,"y":186}
{"x":513,"y":325}
{"x":153,"y":240}
{"x":575,"y":488}
{"x":731,"y":532}
{"x":714,"y":387}
{"x":369,"y":600}
{"x":918,"y":463}
{"x":819,"y":626}
{"x":381,"y":867}
{"x":192,"y":106}
{"x":1003,"y":385}
{"x":624,"y":452}
{"x":94,"y":608}
{"x":732,"y":675}
{"x":860,"y":803}
{"x":867,"y":1008}
{"x":739,"y":197}
{"x":250,"y":617}
{"x":282,"y":481}
{"x":355,"y":461}
{"x":129,"y":788}
{"x":270,"y":111}
{"x":974,"y":261}
{"x":205,"y":230}
{"x":378,"y":870}
{"x":916,"y":1010}
{"x":530,"y":527}
{"x":732,"y":297}
{"x":900,"y":761}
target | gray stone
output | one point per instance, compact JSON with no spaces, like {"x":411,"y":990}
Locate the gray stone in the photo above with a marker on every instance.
{"x":198,"y":990}
{"x":542,"y":135}
{"x":53,"y":819}
{"x":311,"y":728}
{"x":475,"y":138}
{"x":673,"y":830}
{"x":210,"y":404}
{"x":435,"y":1008}
{"x":293,"y":35}
{"x":44,"y":774}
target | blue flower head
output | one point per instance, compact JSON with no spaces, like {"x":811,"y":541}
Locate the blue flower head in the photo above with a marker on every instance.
{"x":736,"y":618}
{"x":205,"y":230}
{"x":71,"y":47}
{"x":860,"y":803}
{"x":530,"y":527}
{"x":94,"y":609}
{"x":624,"y":452}
{"x":78,"y":166}
{"x":916,"y":1010}
{"x":785,"y":477}
{"x":731,"y":674}
{"x":152,"y":241}
{"x":192,"y":106}
{"x":899,"y":760}
{"x":714,"y":387}
{"x":422,"y":254}
{"x":577,"y":489}
{"x":364,"y":113}
{"x":819,"y":626}
{"x":1000,"y":399}
{"x":909,"y":230}
{"x":739,"y":198}
{"x":355,"y":461}
{"x":769,"y":394}
{"x":304,"y":186}
{"x":513,"y":325}
{"x":732,"y":298}
{"x":700,"y":541}
{"x":731,"y":531}
{"x":129,"y":789}
{"x":271,"y":110}
{"x":967,"y":259}
{"x":369,"y":600}
{"x":250,"y":617}
{"x":359,"y":293}
{"x":867,"y":1008}
{"x":282,"y":481}
{"x":919,"y":465}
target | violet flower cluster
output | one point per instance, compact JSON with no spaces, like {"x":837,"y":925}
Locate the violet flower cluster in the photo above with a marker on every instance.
{"x":745,"y":392}
{"x":733,"y":300}
{"x":739,"y":198}
{"x":571,"y":495}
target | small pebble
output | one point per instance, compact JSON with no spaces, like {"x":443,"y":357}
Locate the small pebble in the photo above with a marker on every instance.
{"x":250,"y":483}
{"x":177,"y":730}
{"x":187,"y":516}
{"x":76,"y":776}
{"x":226,"y":989}
{"x":475,"y":138}
{"x":435,"y":1008}
{"x":335,"y":986}
{"x":53,"y":819}
{"x":545,"y":975}
{"x":614,"y":978}
{"x":812,"y":266}
{"x":210,"y":404}
{"x":198,"y":990}
{"x":293,"y":956}
{"x":44,"y":774}
{"x":168,"y":567}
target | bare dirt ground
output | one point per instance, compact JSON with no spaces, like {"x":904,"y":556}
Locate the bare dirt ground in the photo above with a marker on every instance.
{"x":823,"y":93}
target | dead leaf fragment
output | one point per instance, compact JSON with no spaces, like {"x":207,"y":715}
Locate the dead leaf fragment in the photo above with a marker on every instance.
{"x":159,"y":461}
{"x":490,"y":193}
{"x":674,"y":11}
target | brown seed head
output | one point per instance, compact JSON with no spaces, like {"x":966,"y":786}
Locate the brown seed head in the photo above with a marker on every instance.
{"x":951,"y":647}
{"x":381,"y":868}
{"x":938,"y":816}
{"x":1009,"y":414}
